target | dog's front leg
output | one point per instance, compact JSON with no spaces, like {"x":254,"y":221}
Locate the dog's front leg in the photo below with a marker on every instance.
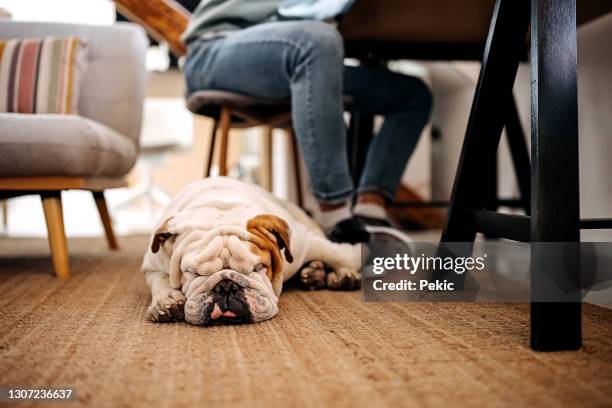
{"x":167,"y":303}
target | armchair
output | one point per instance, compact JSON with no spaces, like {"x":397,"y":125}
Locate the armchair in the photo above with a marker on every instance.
{"x":44,"y":154}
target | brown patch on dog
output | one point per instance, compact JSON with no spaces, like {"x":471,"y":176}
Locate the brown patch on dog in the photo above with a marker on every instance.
{"x":264,"y":256}
{"x":272,"y":234}
{"x":161,"y":235}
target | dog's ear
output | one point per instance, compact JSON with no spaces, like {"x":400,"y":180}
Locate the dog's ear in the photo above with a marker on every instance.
{"x":273,"y":234}
{"x":162,"y":234}
{"x":275,"y":229}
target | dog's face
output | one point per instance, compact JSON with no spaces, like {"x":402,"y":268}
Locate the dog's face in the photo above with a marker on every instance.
{"x":233,"y":277}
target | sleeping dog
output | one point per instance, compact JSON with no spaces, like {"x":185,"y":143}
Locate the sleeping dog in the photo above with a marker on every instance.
{"x":223,"y":248}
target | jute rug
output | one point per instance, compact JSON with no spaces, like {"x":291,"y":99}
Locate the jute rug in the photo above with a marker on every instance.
{"x":324,"y":349}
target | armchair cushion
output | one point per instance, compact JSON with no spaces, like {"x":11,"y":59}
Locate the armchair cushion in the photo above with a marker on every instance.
{"x":62,"y":145}
{"x":41,"y":75}
{"x":113,"y":84}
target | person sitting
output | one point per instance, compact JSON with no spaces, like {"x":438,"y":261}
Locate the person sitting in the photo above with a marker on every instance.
{"x":250,"y":47}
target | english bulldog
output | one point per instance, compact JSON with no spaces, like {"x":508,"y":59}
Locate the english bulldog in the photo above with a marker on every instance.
{"x":223,"y":248}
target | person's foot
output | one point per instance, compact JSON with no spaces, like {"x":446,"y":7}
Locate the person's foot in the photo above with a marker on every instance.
{"x":374,"y":222}
{"x":371,"y":211}
{"x":372,"y":214}
{"x":382,"y":230}
{"x":351,"y":230}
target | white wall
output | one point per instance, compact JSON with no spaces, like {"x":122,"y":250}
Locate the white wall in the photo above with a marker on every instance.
{"x":64,"y":11}
{"x":595,"y":117}
{"x":454,"y":89}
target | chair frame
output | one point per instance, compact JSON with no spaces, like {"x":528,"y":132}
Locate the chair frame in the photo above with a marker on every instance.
{"x":50,"y":189}
{"x":232,"y":117}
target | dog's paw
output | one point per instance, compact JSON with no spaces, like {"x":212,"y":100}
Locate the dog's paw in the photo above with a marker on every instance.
{"x":167,"y":307}
{"x":312,"y":275}
{"x":343,"y":279}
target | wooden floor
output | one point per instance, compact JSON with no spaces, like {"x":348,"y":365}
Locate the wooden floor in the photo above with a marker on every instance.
{"x":324,"y":349}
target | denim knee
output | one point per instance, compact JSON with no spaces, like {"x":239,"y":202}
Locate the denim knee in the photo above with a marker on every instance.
{"x":411,"y":95}
{"x":322,"y":39}
{"x":420,"y":100}
{"x":196,"y":65}
{"x":423,"y":98}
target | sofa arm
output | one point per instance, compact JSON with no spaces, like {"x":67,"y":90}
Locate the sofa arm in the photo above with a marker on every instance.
{"x":113,"y":84}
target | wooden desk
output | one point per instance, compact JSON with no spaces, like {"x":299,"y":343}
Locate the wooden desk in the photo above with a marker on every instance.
{"x":448,"y":29}
{"x":430,"y":30}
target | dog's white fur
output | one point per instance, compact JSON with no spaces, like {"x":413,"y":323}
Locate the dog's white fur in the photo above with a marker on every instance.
{"x":203,"y":239}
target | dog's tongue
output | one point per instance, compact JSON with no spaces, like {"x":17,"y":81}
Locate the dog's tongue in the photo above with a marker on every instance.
{"x":217,"y":313}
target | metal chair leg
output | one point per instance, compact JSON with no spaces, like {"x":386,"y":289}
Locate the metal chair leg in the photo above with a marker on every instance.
{"x":296,"y":166}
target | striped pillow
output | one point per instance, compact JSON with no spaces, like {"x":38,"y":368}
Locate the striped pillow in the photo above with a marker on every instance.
{"x":41,"y":75}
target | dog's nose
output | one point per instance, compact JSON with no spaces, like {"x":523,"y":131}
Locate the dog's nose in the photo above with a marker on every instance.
{"x":226,"y":287}
{"x":229,"y":303}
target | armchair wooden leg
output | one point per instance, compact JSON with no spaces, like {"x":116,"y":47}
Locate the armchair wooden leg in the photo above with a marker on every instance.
{"x":52,"y":205}
{"x":106,"y":219}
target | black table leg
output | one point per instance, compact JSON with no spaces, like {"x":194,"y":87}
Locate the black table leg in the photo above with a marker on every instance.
{"x":490,"y":184}
{"x":520,"y":154}
{"x":361,"y":128}
{"x":503,"y":51}
{"x":554,"y":157}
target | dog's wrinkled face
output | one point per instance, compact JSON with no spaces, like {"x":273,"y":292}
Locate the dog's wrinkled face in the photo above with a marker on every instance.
{"x":230,"y":297}
{"x":235,"y":277}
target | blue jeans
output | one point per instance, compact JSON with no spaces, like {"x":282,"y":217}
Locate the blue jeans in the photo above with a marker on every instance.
{"x":304,"y":60}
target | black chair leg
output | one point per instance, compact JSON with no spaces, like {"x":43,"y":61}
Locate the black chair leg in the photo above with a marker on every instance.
{"x":555,"y":212}
{"x":555,"y":202}
{"x":359,"y":136}
{"x":295,"y":153}
{"x":505,"y":44}
{"x":490,"y":184}
{"x":520,"y":154}
{"x":520,"y":160}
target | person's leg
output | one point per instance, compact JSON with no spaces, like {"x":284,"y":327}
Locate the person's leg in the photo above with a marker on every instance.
{"x":276,"y":60}
{"x":405,"y":102}
{"x":303,"y":60}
